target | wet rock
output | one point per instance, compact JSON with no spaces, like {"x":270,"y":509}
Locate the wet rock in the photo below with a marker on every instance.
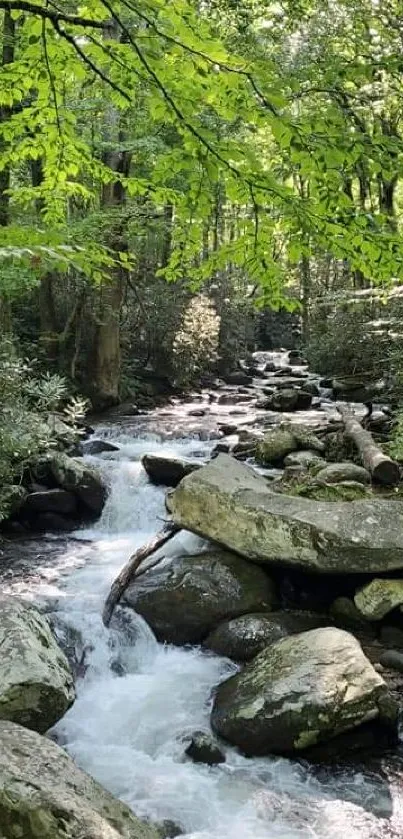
{"x":304,"y":400}
{"x":167,"y":829}
{"x":243,"y":638}
{"x":52,"y":523}
{"x":59,"y":470}
{"x":168,"y":471}
{"x":197,"y":412}
{"x":301,"y":691}
{"x":51,"y":500}
{"x":306,"y":459}
{"x":184,"y":601}
{"x":270,"y":367}
{"x":228,"y":503}
{"x":98,"y":447}
{"x":237,"y":377}
{"x":335,"y":473}
{"x":392,"y":659}
{"x":283,"y":400}
{"x":44,"y":795}
{"x":203,"y":748}
{"x":378,"y":598}
{"x":276,"y":445}
{"x":36,"y":683}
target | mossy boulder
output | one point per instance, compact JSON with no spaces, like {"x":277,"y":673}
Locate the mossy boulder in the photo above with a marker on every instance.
{"x":36,"y":683}
{"x":182,"y":602}
{"x":243,"y":638}
{"x":305,"y":459}
{"x":303,"y":690}
{"x":319,"y":491}
{"x":73,"y":475}
{"x":44,"y":795}
{"x":275,"y":446}
{"x":378,"y":598}
{"x":229,"y":503}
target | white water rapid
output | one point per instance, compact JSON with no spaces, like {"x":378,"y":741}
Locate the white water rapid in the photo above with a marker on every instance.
{"x":127,"y":724}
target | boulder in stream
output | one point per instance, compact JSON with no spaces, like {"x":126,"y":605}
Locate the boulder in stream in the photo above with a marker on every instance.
{"x":168,"y":471}
{"x":301,"y":691}
{"x":243,"y":638}
{"x":335,"y":473}
{"x":44,"y":795}
{"x":378,"y":598}
{"x":36,"y":683}
{"x":72,"y":475}
{"x":227,"y":502}
{"x":203,"y":748}
{"x":183,"y":601}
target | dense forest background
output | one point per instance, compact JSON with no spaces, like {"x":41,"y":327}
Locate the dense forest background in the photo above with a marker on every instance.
{"x":170,"y":174}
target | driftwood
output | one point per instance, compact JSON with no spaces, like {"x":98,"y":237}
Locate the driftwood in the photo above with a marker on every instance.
{"x":129,"y":570}
{"x":382,"y":468}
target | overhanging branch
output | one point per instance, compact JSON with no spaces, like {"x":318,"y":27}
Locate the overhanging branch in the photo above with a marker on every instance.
{"x":49,"y":14}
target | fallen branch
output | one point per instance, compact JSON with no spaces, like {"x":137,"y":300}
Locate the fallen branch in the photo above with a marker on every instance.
{"x":128,"y":572}
{"x":382,"y":468}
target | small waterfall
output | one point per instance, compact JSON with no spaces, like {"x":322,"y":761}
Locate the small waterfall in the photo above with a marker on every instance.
{"x":139,"y":699}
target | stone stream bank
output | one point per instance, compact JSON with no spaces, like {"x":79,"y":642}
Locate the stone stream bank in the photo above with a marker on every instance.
{"x":249,"y":685}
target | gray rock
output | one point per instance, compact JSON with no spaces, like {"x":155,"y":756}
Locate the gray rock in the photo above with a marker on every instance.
{"x":228,"y":503}
{"x":203,"y":748}
{"x":283,"y":400}
{"x":243,"y":638}
{"x":276,"y":445}
{"x":74,"y":476}
{"x":237,"y":377}
{"x":167,"y":829}
{"x":184,"y":601}
{"x":392,"y":659}
{"x":306,"y":459}
{"x":36,"y":683}
{"x":346,"y":615}
{"x":335,"y":473}
{"x":98,"y":447}
{"x":301,"y":691}
{"x":168,"y":471}
{"x":378,"y":598}
{"x":51,"y":500}
{"x":44,"y":795}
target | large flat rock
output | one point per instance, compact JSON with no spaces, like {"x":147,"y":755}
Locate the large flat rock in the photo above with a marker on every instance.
{"x":229,"y":503}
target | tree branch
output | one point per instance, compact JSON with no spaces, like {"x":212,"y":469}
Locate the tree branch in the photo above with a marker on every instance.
{"x":48,"y":14}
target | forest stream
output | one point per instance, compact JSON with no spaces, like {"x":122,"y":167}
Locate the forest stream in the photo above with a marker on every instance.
{"x":138,"y":698}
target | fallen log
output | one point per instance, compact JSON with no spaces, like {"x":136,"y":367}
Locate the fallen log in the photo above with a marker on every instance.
{"x":128,"y":572}
{"x":382,"y":468}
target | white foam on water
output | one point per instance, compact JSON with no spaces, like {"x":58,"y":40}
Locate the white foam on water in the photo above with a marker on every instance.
{"x":128,"y":730}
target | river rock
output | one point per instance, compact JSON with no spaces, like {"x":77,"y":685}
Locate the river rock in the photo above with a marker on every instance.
{"x":227,"y":502}
{"x":238,"y":377}
{"x":300,"y":691}
{"x":51,"y":501}
{"x":276,"y":445}
{"x":346,"y":615}
{"x":71,"y":474}
{"x":98,"y":447}
{"x":182,"y":602}
{"x":335,"y":473}
{"x":168,"y":471}
{"x":36,"y":683}
{"x":44,"y":795}
{"x":378,"y":598}
{"x":203,"y":748}
{"x":243,"y":638}
{"x":305,"y":459}
{"x":283,"y":400}
{"x":392,"y":659}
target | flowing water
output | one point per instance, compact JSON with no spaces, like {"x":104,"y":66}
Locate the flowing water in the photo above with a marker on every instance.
{"x":138,"y":698}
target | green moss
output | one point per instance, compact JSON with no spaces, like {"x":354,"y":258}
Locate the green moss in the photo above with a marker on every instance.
{"x":308,"y":487}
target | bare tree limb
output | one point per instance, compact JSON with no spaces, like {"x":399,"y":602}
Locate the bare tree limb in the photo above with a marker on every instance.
{"x":128,"y":571}
{"x":49,"y":14}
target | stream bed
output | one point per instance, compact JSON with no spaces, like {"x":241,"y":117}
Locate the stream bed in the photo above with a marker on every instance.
{"x":138,"y":699}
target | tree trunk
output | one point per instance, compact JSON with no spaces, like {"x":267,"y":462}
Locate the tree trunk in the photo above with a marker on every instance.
{"x":382,"y":469}
{"x":5,"y":114}
{"x":305,"y":296}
